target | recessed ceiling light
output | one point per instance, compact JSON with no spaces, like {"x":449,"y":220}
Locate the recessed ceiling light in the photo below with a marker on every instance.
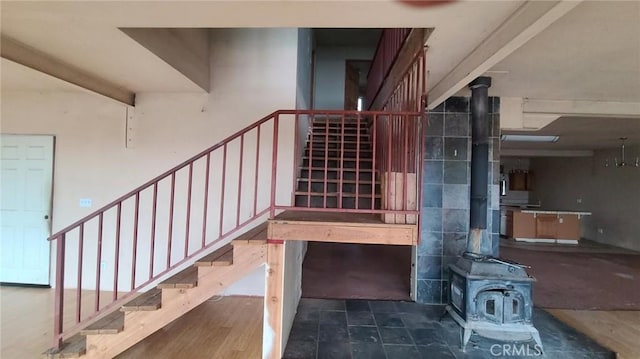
{"x":529,"y":138}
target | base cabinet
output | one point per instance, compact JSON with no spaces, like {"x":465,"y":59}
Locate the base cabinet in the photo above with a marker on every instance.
{"x":559,"y":226}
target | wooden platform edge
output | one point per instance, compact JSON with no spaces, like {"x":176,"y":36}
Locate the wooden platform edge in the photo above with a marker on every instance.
{"x":344,"y":232}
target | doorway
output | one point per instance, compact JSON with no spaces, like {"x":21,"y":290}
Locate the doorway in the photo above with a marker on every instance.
{"x":357,"y":271}
{"x":25,"y":208}
{"x":355,"y":84}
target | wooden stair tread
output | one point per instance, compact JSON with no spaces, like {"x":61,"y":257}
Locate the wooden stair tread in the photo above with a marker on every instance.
{"x":111,"y":324}
{"x":223,"y":256}
{"x":257,"y":235}
{"x":74,"y":347}
{"x":188,"y":278}
{"x":149,"y":301}
{"x":336,"y":194}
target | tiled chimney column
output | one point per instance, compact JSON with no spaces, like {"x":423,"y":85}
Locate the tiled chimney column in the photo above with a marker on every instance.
{"x":445,"y":203}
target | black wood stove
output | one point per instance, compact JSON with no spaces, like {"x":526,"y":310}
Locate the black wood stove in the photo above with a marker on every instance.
{"x":487,"y":295}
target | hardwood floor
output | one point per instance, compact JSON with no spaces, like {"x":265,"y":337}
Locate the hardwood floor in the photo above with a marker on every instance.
{"x":617,"y":330}
{"x":228,"y":328}
{"x":232,"y":328}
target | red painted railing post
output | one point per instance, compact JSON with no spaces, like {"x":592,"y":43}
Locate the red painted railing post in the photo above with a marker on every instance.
{"x":274,"y":164}
{"x":59,"y":292}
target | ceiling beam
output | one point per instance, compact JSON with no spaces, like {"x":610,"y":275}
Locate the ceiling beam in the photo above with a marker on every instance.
{"x":511,"y":152}
{"x":186,"y":50}
{"x":518,"y":113}
{"x":526,"y":22}
{"x":27,"y":56}
{"x":582,"y":108}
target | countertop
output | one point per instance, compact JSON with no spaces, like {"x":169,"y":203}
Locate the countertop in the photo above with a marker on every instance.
{"x":538,"y":211}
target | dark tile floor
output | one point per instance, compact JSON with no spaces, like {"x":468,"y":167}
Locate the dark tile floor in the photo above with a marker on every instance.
{"x":355,"y":329}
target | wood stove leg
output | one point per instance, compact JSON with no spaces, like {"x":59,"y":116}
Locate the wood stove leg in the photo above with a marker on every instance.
{"x":466,"y":335}
{"x":536,"y":337}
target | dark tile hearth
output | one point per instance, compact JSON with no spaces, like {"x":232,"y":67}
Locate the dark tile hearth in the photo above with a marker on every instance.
{"x":354,"y":329}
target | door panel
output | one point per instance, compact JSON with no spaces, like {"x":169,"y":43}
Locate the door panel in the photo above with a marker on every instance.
{"x":351,"y":81}
{"x":25,"y":203}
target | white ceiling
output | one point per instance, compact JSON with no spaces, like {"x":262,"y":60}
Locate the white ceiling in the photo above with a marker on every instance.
{"x":592,"y":53}
{"x":85,"y":34}
{"x":582,"y":133}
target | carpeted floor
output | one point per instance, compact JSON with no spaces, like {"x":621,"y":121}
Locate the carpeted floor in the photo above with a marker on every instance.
{"x":356,"y":271}
{"x":581,"y":281}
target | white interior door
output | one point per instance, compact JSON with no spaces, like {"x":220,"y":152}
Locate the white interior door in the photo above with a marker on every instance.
{"x":25,"y":203}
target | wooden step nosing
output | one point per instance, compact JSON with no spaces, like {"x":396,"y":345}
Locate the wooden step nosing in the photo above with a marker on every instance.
{"x":188,"y":278}
{"x":257,"y":235}
{"x":147,"y":302}
{"x":218,"y":258}
{"x":110,"y":324}
{"x":74,"y":347}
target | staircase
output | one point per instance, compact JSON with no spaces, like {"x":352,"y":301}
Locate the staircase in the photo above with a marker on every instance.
{"x":337,"y":166}
{"x":172,"y":298}
{"x":179,"y":217}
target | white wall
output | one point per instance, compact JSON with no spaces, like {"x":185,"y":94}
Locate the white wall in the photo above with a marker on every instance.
{"x":584,"y":184}
{"x":295,"y":251}
{"x":330,"y":72}
{"x":253,"y":73}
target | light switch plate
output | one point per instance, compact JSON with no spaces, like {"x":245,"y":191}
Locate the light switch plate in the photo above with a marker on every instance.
{"x":85,"y":202}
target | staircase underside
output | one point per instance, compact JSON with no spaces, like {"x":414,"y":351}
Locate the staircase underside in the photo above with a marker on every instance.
{"x":340,"y":227}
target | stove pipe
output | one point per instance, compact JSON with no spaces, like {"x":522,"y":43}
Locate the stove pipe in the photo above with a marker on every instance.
{"x":479,"y":240}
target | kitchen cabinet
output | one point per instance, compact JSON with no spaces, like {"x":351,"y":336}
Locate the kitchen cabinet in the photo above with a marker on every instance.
{"x":521,"y":180}
{"x":544,"y":226}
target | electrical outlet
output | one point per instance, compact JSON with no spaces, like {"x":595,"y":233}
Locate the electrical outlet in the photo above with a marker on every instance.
{"x":579,"y":200}
{"x":600,"y":230}
{"x":86,"y":202}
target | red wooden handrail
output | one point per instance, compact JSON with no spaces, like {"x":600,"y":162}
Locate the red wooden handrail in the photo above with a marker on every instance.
{"x":184,"y":193}
{"x":389,"y":45}
{"x":116,"y":229}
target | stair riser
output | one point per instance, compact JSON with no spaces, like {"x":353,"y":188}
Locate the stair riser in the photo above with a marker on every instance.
{"x":339,"y":124}
{"x":333,"y":187}
{"x":320,"y":153}
{"x":347,"y":175}
{"x":332,"y":202}
{"x":337,"y":136}
{"x":339,"y":146}
{"x":336,"y":163}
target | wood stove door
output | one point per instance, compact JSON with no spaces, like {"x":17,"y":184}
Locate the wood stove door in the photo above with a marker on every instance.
{"x":513,"y":307}
{"x":490,"y":305}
